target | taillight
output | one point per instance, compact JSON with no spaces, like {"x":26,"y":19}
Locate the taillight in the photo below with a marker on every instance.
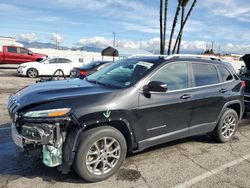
{"x":83,"y":73}
{"x":243,"y":84}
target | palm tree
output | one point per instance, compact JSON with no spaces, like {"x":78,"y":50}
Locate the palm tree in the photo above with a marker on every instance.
{"x":183,"y":25}
{"x":174,"y":25}
{"x":165,"y":25}
{"x":183,"y":7}
{"x":161,"y":26}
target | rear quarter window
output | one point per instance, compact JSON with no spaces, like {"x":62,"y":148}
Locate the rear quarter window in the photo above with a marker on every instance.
{"x":224,"y":73}
{"x":205,"y":74}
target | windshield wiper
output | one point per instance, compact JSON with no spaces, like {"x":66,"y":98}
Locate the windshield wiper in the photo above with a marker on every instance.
{"x":101,"y":83}
{"x":91,"y":81}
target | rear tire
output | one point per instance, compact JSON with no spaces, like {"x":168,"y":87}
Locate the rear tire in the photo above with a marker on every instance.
{"x":227,"y":126}
{"x":100,"y":154}
{"x":32,"y":73}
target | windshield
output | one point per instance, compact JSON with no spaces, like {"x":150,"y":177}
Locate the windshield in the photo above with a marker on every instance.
{"x":43,"y":60}
{"x":93,"y":64}
{"x":122,"y":74}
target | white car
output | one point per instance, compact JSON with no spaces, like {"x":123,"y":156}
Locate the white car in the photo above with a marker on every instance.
{"x":47,"y":67}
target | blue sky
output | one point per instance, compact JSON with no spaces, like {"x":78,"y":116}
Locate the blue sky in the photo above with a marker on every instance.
{"x":85,"y":22}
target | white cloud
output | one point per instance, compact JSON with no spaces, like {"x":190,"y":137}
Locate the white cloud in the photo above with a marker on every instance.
{"x":154,"y":43}
{"x":27,"y":37}
{"x":238,"y":10}
{"x":99,"y":42}
{"x":57,"y":38}
{"x":130,"y":14}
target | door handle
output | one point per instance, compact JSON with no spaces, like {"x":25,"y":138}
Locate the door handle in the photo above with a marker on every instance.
{"x":223,"y":91}
{"x":186,"y":96}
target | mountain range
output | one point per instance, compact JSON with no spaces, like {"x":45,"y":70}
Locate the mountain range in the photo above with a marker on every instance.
{"x":40,"y":45}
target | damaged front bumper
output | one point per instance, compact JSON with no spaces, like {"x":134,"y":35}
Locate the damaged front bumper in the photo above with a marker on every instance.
{"x":46,"y":138}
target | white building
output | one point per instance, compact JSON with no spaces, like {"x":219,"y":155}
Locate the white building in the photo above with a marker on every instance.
{"x":8,"y":41}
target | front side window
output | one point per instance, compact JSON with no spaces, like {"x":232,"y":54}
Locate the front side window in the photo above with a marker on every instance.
{"x":205,"y":74}
{"x":24,"y":51}
{"x":55,"y":60}
{"x":224,"y":73}
{"x":122,"y":74}
{"x":12,"y":49}
{"x":175,"y":75}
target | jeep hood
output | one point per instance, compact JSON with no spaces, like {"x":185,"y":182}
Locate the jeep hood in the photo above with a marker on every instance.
{"x":56,"y":90}
{"x":246,"y":59}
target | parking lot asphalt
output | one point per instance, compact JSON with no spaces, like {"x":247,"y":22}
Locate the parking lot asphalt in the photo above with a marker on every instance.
{"x":192,"y":162}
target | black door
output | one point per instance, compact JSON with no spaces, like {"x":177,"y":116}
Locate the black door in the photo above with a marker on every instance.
{"x":208,"y":98}
{"x":166,"y":116}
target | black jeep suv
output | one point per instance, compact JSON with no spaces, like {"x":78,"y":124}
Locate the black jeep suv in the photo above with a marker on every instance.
{"x":126,"y":107}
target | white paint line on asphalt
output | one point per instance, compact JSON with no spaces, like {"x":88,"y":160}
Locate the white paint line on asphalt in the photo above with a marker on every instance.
{"x":4,"y":128}
{"x":212,"y":172}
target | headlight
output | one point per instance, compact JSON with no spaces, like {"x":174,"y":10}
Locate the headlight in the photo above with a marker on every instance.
{"x":22,"y":67}
{"x":48,"y":113}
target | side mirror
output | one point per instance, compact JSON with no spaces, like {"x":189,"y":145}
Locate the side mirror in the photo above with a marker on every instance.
{"x":156,"y":86}
{"x":30,"y":53}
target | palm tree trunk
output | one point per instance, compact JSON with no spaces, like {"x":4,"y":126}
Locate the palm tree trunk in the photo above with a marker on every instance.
{"x":182,"y":20}
{"x":183,"y":25}
{"x":161,"y":27}
{"x":165,"y":25}
{"x":173,"y":27}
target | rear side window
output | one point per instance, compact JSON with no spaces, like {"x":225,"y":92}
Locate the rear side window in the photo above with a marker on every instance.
{"x":12,"y":49}
{"x":63,"y":60}
{"x":174,"y":75}
{"x":205,"y":74}
{"x":224,"y":73}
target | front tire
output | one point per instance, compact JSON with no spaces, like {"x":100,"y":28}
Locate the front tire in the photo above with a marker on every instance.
{"x":100,"y":154}
{"x":32,"y":73}
{"x":227,"y":126}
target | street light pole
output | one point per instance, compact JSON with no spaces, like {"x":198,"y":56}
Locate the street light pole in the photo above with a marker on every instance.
{"x":114,"y":39}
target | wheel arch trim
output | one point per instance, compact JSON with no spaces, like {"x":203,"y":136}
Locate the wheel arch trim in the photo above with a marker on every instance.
{"x":73,"y":139}
{"x":238,"y":102}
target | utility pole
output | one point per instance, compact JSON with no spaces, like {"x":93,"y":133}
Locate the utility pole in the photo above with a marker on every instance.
{"x":219,"y":50}
{"x":212,"y":45}
{"x":56,"y":41}
{"x":114,"y":35}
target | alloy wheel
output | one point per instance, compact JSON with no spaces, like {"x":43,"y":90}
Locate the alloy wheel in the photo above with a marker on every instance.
{"x":32,"y":73}
{"x":229,"y":125}
{"x":103,"y":156}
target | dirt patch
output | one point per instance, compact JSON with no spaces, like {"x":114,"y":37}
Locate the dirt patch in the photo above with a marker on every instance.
{"x":128,"y":175}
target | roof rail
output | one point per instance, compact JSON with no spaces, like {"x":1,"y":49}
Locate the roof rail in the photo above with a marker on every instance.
{"x":179,"y":55}
{"x":194,"y":56}
{"x":142,"y":55}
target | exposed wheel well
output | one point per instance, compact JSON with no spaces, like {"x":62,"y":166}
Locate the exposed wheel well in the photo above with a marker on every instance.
{"x":235,"y":107}
{"x":119,"y":125}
